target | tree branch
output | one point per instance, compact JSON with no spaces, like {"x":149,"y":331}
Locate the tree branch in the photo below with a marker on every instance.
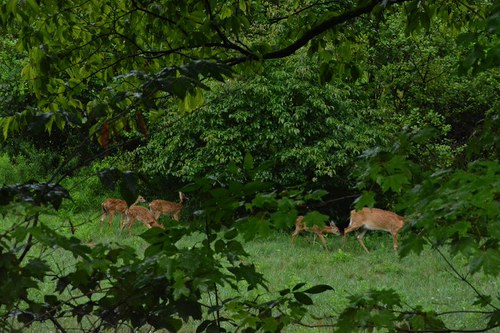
{"x":325,"y":26}
{"x":221,"y":35}
{"x":57,"y":324}
{"x":463,"y":278}
{"x":317,"y":30}
{"x":29,"y":243}
{"x":165,"y":19}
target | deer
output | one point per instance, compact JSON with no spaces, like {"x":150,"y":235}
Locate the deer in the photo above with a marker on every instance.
{"x":159,"y":207}
{"x":318,"y":231}
{"x":112,"y":206}
{"x":134,"y":213}
{"x":374,"y":219}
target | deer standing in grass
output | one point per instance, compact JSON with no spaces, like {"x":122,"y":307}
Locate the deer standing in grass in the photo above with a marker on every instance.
{"x":159,"y":207}
{"x":112,"y":206}
{"x":374,"y":219}
{"x":318,"y":231}
{"x":134,"y":213}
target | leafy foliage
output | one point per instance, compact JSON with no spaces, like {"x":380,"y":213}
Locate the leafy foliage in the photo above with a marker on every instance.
{"x":456,"y":208}
{"x":35,"y":193}
{"x":106,"y":66}
{"x":308,"y":132}
{"x":13,"y":92}
{"x":69,"y":52}
{"x":111,"y":285}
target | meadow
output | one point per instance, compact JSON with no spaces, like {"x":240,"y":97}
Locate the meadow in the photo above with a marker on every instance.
{"x":423,"y":279}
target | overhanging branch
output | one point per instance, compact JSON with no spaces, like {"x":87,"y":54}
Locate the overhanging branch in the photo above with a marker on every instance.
{"x":318,"y":30}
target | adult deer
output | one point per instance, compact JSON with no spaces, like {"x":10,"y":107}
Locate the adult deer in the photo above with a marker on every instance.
{"x":318,"y":231}
{"x":134,"y":213}
{"x":374,"y":219}
{"x":159,"y":207}
{"x":112,"y":206}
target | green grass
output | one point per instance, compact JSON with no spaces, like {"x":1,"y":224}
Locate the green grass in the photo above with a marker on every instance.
{"x":423,"y":280}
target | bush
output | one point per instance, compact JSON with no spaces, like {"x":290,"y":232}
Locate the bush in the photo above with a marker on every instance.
{"x":17,"y":169}
{"x":22,"y":161}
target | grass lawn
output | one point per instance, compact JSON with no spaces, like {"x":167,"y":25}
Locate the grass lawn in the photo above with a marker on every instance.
{"x":423,"y":280}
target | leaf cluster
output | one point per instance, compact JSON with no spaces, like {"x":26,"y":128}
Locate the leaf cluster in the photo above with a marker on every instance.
{"x":35,"y":193}
{"x":306,"y":131}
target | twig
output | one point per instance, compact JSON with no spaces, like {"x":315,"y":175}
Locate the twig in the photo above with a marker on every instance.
{"x":463,"y":278}
{"x":56,"y":324}
{"x":316,"y":31}
{"x":29,"y":243}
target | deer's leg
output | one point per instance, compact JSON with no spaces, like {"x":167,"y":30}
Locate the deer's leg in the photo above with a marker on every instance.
{"x":346,"y":231}
{"x":130,"y":222}
{"x":126,"y":223}
{"x":148,"y":225}
{"x":103,"y":216}
{"x":395,"y":241}
{"x":295,"y":233}
{"x":111,"y":216}
{"x":298,"y":230}
{"x":122,"y":221}
{"x":176,"y":216}
{"x":360,"y":239}
{"x":322,"y":238}
{"x":157,"y":225}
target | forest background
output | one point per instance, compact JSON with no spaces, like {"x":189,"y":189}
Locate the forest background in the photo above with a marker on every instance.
{"x":259,"y":111}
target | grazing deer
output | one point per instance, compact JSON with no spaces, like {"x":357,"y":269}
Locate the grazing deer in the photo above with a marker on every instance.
{"x":159,"y":207}
{"x":318,"y":231}
{"x":111,"y":206}
{"x":134,"y":213}
{"x":374,"y":219}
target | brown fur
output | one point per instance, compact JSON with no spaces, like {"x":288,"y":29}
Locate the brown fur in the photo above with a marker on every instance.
{"x":159,"y":207}
{"x":142,"y":214}
{"x":112,"y":206}
{"x":318,"y":231}
{"x":374,"y":219}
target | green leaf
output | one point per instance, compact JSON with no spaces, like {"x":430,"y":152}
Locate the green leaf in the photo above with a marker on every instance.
{"x":367,"y":199}
{"x":385,"y":319}
{"x":26,"y":318}
{"x":325,"y":73}
{"x":219,"y":246}
{"x":231,"y":234}
{"x":302,"y":298}
{"x":494,"y":319}
{"x":488,"y":260}
{"x":37,"y":268}
{"x":315,"y":218}
{"x":318,"y":289}
{"x":315,"y":195}
{"x":298,"y":286}
{"x":249,"y":274}
{"x":483,"y":300}
{"x":265,"y":200}
{"x":394,"y":182}
{"x":248,"y":162}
